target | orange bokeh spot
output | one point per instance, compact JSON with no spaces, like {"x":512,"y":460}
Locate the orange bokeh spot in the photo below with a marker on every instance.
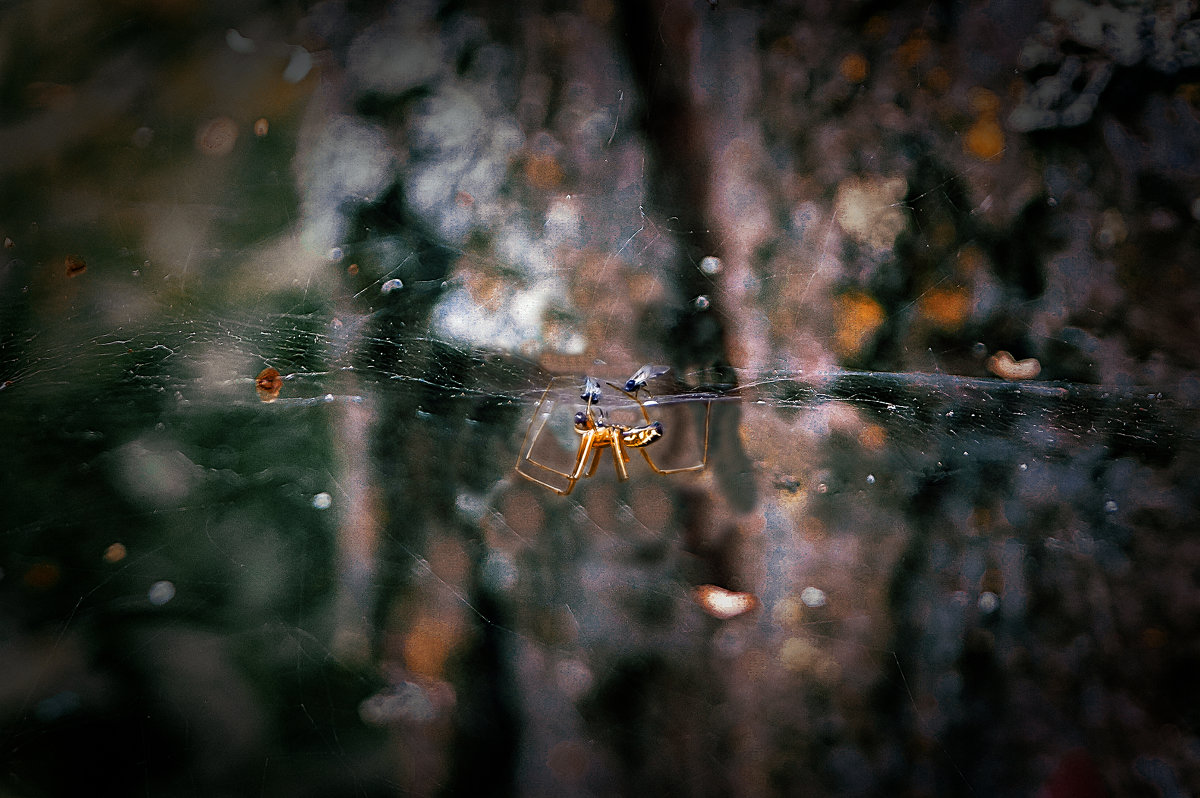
{"x":542,"y":171}
{"x":857,"y":318}
{"x":914,"y":49}
{"x":985,"y":139}
{"x":938,"y":80}
{"x":42,"y":575}
{"x":854,"y":67}
{"x":873,"y":437}
{"x":946,"y":307}
{"x":428,"y":644}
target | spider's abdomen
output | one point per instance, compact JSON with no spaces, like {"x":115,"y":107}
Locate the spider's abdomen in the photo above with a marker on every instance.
{"x":638,"y":437}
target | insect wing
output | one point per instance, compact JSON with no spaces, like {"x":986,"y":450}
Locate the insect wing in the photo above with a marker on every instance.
{"x":591,"y":390}
{"x":644,"y":375}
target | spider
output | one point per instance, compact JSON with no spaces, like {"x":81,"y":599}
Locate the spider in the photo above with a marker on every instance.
{"x":595,"y":434}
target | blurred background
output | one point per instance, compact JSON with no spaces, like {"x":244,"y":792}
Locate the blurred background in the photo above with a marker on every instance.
{"x":283,"y":286}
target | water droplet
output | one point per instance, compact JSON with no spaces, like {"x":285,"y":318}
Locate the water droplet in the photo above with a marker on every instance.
{"x":724,"y":604}
{"x":710,"y":265}
{"x":394,"y":284}
{"x":813,"y":597}
{"x":989,"y":602}
{"x":161,"y":592}
{"x":298,"y":65}
{"x":238,"y":43}
{"x":261,"y":127}
{"x":217,"y":136}
{"x":870,"y":479}
{"x":1110,"y":506}
{"x":701,"y":302}
{"x":335,"y":254}
{"x":322,"y":501}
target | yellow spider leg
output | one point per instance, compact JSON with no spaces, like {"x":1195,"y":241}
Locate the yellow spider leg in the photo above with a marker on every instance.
{"x":585,"y":447}
{"x":632,"y":396}
{"x":595,"y":461}
{"x":544,"y":484}
{"x":650,"y":462}
{"x":524,"y":453}
{"x":704,"y":458}
{"x":619,"y":457}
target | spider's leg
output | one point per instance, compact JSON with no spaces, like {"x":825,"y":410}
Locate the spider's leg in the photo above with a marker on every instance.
{"x":585,"y":447}
{"x":545,"y":484}
{"x":703,"y":459}
{"x":650,"y":462}
{"x":620,"y":457}
{"x":595,"y":460}
{"x":633,"y":396}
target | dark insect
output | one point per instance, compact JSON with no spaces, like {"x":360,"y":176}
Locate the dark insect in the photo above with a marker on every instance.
{"x":644,"y":375}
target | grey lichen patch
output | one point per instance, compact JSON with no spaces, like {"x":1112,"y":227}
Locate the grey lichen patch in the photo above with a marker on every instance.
{"x":1054,"y":102}
{"x":1164,"y":37}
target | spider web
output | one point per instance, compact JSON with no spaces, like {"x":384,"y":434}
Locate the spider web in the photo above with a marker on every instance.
{"x":350,"y":585}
